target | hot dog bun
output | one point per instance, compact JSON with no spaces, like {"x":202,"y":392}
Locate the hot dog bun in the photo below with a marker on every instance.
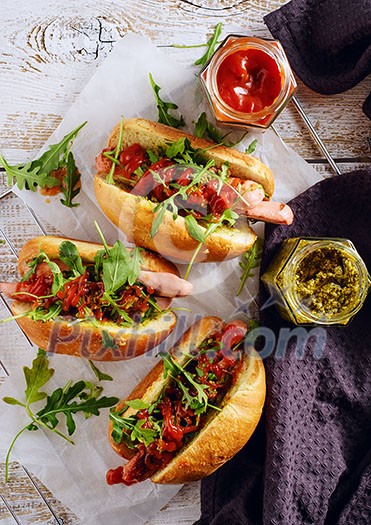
{"x":86,"y":339}
{"x":134,"y":215}
{"x":225,"y":432}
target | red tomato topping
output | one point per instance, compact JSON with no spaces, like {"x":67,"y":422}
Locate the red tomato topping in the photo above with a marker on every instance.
{"x":147,"y":183}
{"x":39,"y":286}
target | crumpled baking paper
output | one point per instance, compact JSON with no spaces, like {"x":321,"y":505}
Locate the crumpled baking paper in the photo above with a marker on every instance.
{"x":120,"y":86}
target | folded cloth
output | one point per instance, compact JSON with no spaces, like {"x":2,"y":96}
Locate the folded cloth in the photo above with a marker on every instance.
{"x":309,"y":460}
{"x":328,"y":42}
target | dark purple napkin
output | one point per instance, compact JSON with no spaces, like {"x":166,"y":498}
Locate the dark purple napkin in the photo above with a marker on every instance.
{"x":328,"y":42}
{"x":309,"y":461}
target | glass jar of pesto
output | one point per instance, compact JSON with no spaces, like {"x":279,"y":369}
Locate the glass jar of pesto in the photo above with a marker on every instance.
{"x":318,"y":281}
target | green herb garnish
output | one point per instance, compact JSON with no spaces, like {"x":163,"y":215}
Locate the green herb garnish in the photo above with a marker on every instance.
{"x":164,"y":117}
{"x":80,"y":397}
{"x":114,"y":155}
{"x":69,"y":254}
{"x":211,"y":44}
{"x":39,"y":172}
{"x":252,"y":147}
{"x":101,"y":376}
{"x":249,"y":261}
{"x":204,"y":128}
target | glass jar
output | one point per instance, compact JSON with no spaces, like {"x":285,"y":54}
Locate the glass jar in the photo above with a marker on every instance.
{"x":257,"y":75}
{"x":321,"y":281}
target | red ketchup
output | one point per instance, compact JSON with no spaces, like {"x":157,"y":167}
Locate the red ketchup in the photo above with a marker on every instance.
{"x":249,"y":80}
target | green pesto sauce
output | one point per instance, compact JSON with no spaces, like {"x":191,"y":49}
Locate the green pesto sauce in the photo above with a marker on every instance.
{"x":327,"y":282}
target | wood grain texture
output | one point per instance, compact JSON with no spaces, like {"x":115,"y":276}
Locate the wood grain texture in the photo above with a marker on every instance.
{"x":48,"y":51}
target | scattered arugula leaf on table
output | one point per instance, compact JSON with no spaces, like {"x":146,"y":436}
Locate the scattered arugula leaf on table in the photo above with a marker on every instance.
{"x":211,"y":44}
{"x":164,"y":117}
{"x":251,"y":147}
{"x":39,"y":172}
{"x":80,"y":397}
{"x":249,"y":261}
{"x":101,"y":376}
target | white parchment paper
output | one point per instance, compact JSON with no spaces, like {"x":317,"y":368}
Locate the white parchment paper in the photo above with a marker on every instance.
{"x":120,"y":86}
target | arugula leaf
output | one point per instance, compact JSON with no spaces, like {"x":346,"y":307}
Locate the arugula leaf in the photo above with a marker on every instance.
{"x":39,"y":172}
{"x":137,"y":404}
{"x":164,"y":107}
{"x":135,"y":426}
{"x":33,"y":264}
{"x":204,"y":128}
{"x":172,"y":368}
{"x":51,"y":159}
{"x":252,"y":147}
{"x":36,"y":377}
{"x":176,"y":148}
{"x":70,"y":183}
{"x":229,"y":216}
{"x":40,"y":314}
{"x":101,"y":376}
{"x":28,"y":177}
{"x":249,"y":261}
{"x":82,"y":396}
{"x":69,"y":254}
{"x":108,"y":341}
{"x":211,"y":43}
{"x":116,"y":153}
{"x":120,"y":267}
{"x":170,"y":202}
{"x":194,"y":229}
{"x":158,"y":219}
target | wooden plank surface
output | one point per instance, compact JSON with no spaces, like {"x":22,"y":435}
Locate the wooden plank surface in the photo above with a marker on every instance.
{"x":48,"y":51}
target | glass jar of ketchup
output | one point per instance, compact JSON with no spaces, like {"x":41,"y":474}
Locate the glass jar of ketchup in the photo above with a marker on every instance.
{"x":248,"y":81}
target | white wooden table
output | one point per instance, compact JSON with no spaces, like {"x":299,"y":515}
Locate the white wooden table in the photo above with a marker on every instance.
{"x":48,"y":51}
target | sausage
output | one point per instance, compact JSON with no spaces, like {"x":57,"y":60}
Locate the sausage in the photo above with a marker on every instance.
{"x":165,"y":284}
{"x":269,"y":211}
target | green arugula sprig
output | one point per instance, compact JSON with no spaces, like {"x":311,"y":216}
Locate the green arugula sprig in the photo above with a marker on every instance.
{"x":70,"y":188}
{"x":80,"y":397}
{"x":250,"y":260}
{"x":251,"y":147}
{"x":164,"y":117}
{"x":130,"y":428}
{"x":211,"y":44}
{"x":201,"y":234}
{"x":118,"y":266}
{"x":204,"y":128}
{"x":39,"y":172}
{"x":114,"y":155}
{"x":199,"y":402}
{"x":170,"y":203}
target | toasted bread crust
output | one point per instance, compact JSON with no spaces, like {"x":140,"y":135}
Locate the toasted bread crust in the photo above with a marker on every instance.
{"x":153,"y":135}
{"x":134,"y":215}
{"x":84,"y":339}
{"x":50,"y":245}
{"x":226,"y":432}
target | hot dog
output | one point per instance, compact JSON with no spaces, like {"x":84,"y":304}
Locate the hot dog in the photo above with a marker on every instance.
{"x":159,"y":168}
{"x":193,"y":411}
{"x":94,"y":301}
